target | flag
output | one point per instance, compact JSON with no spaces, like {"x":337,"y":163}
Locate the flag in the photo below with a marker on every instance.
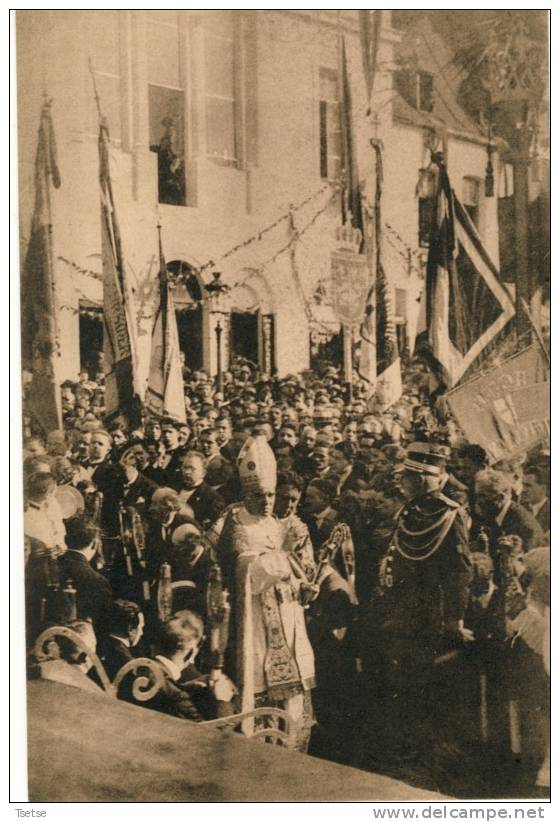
{"x":506,"y":410}
{"x":122,"y":390}
{"x":38,"y":310}
{"x":351,"y":194}
{"x":389,"y":386}
{"x":164,"y":396}
{"x":379,"y":354}
{"x":367,"y":370}
{"x":370,"y":29}
{"x":466,"y":303}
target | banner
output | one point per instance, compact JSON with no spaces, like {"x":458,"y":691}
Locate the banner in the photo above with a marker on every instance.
{"x":38,"y":310}
{"x":507,"y":410}
{"x":467,"y":305}
{"x":164,"y":395}
{"x":380,"y":363}
{"x":122,"y":392}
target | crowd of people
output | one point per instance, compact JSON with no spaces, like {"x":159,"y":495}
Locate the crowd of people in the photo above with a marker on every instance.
{"x":377,"y":579}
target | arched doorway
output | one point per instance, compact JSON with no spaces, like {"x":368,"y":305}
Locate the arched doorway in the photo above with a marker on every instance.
{"x":252,"y":323}
{"x":188,"y":295}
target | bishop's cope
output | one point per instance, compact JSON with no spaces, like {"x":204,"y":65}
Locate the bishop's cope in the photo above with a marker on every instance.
{"x":424,"y":592}
{"x":270,"y":657}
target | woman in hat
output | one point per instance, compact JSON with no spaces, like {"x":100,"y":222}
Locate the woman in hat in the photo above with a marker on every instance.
{"x":273,"y":660}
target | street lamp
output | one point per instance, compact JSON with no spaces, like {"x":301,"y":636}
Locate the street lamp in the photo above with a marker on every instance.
{"x":217,"y":292}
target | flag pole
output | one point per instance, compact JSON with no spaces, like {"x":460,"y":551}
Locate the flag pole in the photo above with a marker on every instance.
{"x":536,"y":331}
{"x":95,"y":92}
{"x":46,"y":109}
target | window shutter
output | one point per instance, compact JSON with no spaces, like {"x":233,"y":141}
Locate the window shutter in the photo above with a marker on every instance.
{"x":323,"y":138}
{"x":405,"y":84}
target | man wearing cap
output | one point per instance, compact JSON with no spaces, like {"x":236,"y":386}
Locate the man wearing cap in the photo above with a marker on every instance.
{"x":424,"y":584}
{"x":319,"y":515}
{"x":320,"y":457}
{"x":349,"y":442}
{"x":43,"y":518}
{"x":45,"y":533}
{"x":223,"y":433}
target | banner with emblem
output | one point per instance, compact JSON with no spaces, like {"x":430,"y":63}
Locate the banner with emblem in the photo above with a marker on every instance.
{"x":164,"y":394}
{"x":349,"y":277}
{"x":122,"y":388}
{"x":506,"y":410}
{"x":467,"y":304}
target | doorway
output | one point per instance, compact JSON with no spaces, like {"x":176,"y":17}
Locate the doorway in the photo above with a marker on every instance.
{"x":245,"y":335}
{"x":189,"y":329}
{"x":91,"y":338}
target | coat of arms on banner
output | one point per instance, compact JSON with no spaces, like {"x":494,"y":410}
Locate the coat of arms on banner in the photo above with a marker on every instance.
{"x":349,"y":277}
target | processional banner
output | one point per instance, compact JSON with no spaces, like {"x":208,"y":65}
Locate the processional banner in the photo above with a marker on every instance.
{"x":506,"y":410}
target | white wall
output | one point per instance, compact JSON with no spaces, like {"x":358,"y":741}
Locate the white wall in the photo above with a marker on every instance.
{"x":231,"y":204}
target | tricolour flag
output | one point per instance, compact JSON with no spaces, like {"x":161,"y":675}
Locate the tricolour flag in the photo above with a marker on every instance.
{"x":164,"y":395}
{"x":367,"y":369}
{"x":38,"y":310}
{"x":466,"y":303}
{"x":122,"y":389}
{"x":351,"y":194}
{"x":380,"y":363}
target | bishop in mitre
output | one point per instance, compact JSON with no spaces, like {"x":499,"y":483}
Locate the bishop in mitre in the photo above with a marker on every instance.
{"x":270,"y":649}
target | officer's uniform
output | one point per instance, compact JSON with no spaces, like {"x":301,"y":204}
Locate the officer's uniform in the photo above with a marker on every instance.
{"x":424,"y":592}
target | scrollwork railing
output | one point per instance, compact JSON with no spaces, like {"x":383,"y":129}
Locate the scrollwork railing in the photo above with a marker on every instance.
{"x":42,"y":654}
{"x":148,"y":678}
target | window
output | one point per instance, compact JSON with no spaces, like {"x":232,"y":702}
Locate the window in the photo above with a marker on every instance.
{"x":103,"y":46}
{"x":416,"y":87}
{"x":400,"y":305}
{"x":91,"y":336}
{"x":425,"y":91}
{"x":471,"y":198}
{"x":426,"y":205}
{"x":329,"y":124}
{"x":166,"y":104}
{"x":220,"y":65}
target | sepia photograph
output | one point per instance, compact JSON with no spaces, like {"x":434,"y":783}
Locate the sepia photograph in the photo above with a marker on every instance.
{"x":284,"y":363}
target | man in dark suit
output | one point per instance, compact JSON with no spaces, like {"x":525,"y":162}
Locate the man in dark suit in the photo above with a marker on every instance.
{"x":206,"y":503}
{"x":219,"y":470}
{"x":536,"y":493}
{"x":184,"y":693}
{"x":174,"y":452}
{"x":93,"y":592}
{"x":496,"y":512}
{"x":109,"y":478}
{"x":319,"y":516}
{"x":126,"y":629}
{"x":223,"y":434}
{"x":150,"y":461}
{"x":138,"y":490}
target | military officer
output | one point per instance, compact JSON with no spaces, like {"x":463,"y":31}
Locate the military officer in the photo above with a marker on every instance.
{"x":423,"y":594}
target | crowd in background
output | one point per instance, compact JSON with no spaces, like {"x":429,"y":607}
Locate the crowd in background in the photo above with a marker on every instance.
{"x":339,"y":470}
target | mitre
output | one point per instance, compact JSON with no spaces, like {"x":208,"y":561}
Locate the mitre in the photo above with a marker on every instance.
{"x":257,"y":466}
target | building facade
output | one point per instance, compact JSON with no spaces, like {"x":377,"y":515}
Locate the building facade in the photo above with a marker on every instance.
{"x":225,"y":129}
